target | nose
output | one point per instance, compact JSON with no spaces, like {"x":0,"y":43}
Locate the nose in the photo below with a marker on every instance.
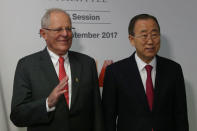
{"x":149,"y":39}
{"x":64,"y":32}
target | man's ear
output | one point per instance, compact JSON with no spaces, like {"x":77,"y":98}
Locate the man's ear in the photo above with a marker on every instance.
{"x":131,"y":39}
{"x":43,"y":33}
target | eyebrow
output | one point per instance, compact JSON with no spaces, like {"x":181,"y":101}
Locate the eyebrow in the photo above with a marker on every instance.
{"x":143,"y":31}
{"x":155,"y":30}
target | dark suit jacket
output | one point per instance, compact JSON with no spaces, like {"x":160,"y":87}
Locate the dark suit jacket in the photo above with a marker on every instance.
{"x":124,"y":98}
{"x":35,"y":78}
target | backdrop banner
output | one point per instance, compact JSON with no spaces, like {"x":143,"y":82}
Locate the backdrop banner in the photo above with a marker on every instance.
{"x":101,"y":31}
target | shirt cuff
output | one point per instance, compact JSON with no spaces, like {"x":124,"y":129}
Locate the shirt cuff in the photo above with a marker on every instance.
{"x":47,"y":107}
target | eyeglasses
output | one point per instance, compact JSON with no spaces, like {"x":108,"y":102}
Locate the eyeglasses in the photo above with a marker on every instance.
{"x":58,"y":30}
{"x":144,"y":37}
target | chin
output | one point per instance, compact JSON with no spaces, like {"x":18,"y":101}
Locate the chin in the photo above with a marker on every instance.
{"x":64,"y":47}
{"x":151,"y":53}
{"x":62,"y":53}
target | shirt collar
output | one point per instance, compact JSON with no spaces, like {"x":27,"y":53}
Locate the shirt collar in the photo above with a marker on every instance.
{"x":55,"y":57}
{"x":141,"y":64}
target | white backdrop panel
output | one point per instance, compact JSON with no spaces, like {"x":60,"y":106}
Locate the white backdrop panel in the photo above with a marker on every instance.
{"x":20,"y":24}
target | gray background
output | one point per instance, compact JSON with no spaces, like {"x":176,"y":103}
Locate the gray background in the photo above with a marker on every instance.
{"x":20,"y":23}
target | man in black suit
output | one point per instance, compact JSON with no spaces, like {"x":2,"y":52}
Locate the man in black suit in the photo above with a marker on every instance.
{"x":138,"y":100}
{"x":42,"y":102}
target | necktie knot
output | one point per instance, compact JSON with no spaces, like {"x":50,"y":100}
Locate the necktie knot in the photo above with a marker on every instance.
{"x":61,"y":59}
{"x":148,"y":68}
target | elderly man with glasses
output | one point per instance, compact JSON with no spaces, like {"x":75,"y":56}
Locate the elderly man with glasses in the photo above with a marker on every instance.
{"x":144,"y":92}
{"x":56,"y":89}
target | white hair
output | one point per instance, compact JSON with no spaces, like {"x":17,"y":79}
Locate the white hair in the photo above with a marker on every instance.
{"x":45,"y":21}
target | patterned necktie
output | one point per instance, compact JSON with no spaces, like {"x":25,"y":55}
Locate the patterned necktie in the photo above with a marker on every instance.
{"x":149,"y":86}
{"x":62,"y":74}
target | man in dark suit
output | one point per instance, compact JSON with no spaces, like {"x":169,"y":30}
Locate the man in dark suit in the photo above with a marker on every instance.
{"x":42,"y":102}
{"x":144,"y":92}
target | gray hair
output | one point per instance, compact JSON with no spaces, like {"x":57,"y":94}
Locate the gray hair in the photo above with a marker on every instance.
{"x":45,"y":21}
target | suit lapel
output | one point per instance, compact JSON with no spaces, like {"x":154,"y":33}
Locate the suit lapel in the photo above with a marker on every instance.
{"x":158,"y":81}
{"x":137,"y":81}
{"x":48,"y":68}
{"x":75,"y":74}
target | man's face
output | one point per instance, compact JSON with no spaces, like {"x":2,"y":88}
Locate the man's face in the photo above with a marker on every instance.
{"x":58,"y":41}
{"x":146,"y":39}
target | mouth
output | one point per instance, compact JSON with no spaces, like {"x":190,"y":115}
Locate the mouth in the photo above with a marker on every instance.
{"x":63,"y":41}
{"x":150,"y":49}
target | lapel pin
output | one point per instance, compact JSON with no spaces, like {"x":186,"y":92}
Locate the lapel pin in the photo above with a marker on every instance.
{"x":76,"y":79}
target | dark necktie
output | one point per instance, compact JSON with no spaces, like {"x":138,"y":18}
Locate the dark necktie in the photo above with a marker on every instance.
{"x":62,"y":74}
{"x":149,"y":86}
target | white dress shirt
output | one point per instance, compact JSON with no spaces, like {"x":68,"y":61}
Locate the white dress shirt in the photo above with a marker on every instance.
{"x":54,"y":59}
{"x":141,"y":67}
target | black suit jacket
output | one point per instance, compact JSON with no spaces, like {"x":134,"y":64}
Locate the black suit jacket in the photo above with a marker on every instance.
{"x":35,"y":78}
{"x":124,"y":100}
